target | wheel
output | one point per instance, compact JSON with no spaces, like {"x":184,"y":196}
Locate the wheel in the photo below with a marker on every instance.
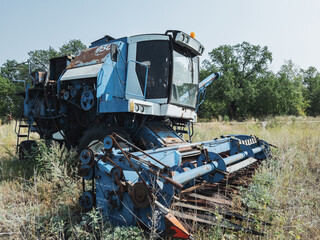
{"x":93,"y":137}
{"x":26,"y":148}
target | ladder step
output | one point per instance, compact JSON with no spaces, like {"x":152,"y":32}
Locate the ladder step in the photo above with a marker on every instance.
{"x":181,"y":131}
{"x":24,"y":125}
{"x":23,"y":135}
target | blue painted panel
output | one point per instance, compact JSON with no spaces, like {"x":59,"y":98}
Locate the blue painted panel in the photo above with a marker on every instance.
{"x":113,"y":105}
{"x":112,"y":76}
{"x":101,"y":41}
{"x":170,"y":158}
{"x":116,"y":212}
{"x":218,"y":148}
{"x":131,"y":176}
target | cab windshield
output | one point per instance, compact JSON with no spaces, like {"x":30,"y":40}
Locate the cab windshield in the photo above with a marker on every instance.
{"x":184,"y":80}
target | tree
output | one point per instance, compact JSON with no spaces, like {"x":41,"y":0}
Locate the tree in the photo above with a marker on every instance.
{"x":242,"y":66}
{"x":290,"y":88}
{"x":267,"y":99}
{"x":40,"y":58}
{"x":73,"y":47}
{"x":311,"y":93}
{"x":9,"y":102}
{"x":12,"y":70}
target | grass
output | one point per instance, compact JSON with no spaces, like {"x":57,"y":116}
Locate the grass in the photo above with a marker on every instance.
{"x":39,"y":199}
{"x":285,"y":190}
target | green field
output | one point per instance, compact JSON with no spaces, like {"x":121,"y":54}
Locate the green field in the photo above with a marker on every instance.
{"x":39,"y":198}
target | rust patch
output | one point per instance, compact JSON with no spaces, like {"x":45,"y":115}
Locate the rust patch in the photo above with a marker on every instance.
{"x":90,"y":56}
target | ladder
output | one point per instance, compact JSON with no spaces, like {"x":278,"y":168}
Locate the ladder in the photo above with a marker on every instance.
{"x":21,"y":124}
{"x":180,"y":129}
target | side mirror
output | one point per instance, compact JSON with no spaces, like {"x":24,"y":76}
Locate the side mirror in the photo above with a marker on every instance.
{"x":114,"y":52}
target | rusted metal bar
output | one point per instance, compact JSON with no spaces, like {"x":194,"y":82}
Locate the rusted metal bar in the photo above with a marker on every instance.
{"x":139,"y":149}
{"x":128,"y":159}
{"x":211,"y":220}
{"x":177,"y":185}
{"x":211,"y":199}
{"x":220,"y":211}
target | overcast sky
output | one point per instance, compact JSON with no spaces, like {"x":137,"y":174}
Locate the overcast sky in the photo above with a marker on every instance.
{"x":290,"y":28}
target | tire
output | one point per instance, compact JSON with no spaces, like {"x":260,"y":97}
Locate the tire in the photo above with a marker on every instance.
{"x":26,"y":148}
{"x":94,"y":136}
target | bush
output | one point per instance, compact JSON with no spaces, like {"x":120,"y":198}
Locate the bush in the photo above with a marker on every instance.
{"x":9,"y":102}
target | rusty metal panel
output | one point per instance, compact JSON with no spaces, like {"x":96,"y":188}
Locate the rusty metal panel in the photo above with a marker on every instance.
{"x":166,"y":134}
{"x":90,"y":56}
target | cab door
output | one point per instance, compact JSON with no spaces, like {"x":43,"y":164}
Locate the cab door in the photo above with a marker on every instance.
{"x":148,"y":68}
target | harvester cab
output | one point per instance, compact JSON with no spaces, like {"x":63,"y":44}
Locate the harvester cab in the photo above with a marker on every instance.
{"x":152,"y":74}
{"x":126,"y":104}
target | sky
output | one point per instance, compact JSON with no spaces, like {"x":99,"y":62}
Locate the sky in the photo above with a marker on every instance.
{"x":290,"y":28}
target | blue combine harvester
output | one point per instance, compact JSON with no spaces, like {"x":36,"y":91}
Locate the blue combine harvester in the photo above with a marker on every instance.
{"x":126,"y":105}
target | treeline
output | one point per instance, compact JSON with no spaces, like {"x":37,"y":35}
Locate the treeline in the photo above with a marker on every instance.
{"x":14,"y":75}
{"x":248,"y":88}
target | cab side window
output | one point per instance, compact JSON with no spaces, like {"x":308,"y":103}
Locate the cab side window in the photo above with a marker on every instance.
{"x":154,"y":55}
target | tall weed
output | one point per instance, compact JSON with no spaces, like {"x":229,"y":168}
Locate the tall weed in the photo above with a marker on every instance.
{"x":39,"y":196}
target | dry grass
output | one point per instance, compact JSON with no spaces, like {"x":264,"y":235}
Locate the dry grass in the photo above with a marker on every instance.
{"x":39,"y":197}
{"x":40,"y":200}
{"x":285,"y":190}
{"x":35,"y":196}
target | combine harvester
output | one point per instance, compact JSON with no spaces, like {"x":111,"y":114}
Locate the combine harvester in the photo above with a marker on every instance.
{"x":126,"y":105}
